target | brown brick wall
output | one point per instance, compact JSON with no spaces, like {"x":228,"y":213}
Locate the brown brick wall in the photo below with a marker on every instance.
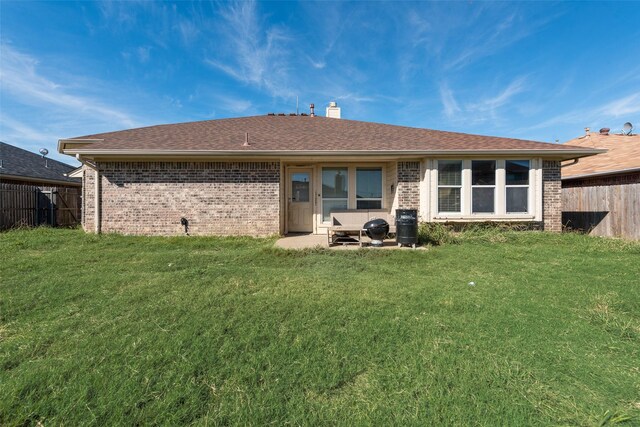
{"x":408,"y":190}
{"x":551,"y":196}
{"x":617,"y":179}
{"x":88,"y":199}
{"x":218,"y":198}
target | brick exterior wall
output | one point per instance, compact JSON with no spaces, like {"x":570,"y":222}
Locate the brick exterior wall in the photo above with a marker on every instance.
{"x":88,"y":199}
{"x":617,"y":179}
{"x":408,"y":190}
{"x":551,"y":196}
{"x":218,"y":198}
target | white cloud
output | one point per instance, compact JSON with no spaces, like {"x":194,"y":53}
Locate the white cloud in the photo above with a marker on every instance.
{"x":37,"y":109}
{"x":602,"y":115}
{"x":234,"y":105}
{"x":188,"y":30}
{"x":255,"y":55}
{"x":451,"y":107}
{"x":19,"y":76}
{"x":144,"y":54}
{"x":485,"y":40}
{"x":28,"y":137}
{"x":355,"y":98}
{"x":12,"y":129}
{"x":491,"y":104}
{"x":482,"y":109}
{"x":317,"y":64}
{"x":622,"y":107}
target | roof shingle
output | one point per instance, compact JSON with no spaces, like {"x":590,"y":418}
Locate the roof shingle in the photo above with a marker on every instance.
{"x":623,"y":154}
{"x":299,"y":134}
{"x":18,"y":163}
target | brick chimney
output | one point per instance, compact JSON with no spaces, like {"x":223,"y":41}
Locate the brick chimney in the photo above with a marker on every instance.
{"x":333,"y":111}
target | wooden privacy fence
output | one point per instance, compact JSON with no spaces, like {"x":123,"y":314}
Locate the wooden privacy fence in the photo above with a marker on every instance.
{"x":30,"y":206}
{"x":603,"y":210}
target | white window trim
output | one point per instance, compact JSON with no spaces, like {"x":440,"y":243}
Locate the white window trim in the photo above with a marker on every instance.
{"x":530,"y":200}
{"x":439,"y":186}
{"x":500,"y":214}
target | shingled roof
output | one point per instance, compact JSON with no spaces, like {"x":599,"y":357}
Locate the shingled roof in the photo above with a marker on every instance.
{"x":23,"y":165}
{"x":296,"y":135}
{"x":623,"y":155}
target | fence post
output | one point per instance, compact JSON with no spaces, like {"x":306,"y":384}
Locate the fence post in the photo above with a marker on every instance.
{"x":52,"y":201}
{"x":36,"y":213}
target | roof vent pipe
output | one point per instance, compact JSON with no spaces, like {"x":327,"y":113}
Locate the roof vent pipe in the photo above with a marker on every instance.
{"x":586,"y":131}
{"x":246,"y":140}
{"x":311,"y":107}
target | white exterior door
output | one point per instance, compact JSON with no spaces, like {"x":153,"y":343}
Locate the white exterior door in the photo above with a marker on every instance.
{"x":300,"y":200}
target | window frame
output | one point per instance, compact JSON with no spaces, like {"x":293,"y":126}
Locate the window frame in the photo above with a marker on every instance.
{"x":333,"y":199}
{"x":493,"y":186}
{"x":527,"y":186}
{"x":439,"y":186}
{"x":352,"y":189}
{"x":369,"y":199}
{"x":534,"y":194}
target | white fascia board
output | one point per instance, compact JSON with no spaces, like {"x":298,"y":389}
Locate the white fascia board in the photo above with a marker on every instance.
{"x":62,"y":143}
{"x":559,"y":154}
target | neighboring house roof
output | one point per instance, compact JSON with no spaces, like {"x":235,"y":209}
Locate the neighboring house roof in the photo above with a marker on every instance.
{"x":623,"y":155}
{"x":299,"y":135}
{"x":23,"y":165}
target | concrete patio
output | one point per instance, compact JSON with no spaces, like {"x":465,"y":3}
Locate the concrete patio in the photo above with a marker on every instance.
{"x":307,"y":241}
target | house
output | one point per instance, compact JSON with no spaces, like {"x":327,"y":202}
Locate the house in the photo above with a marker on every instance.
{"x":601,"y":194}
{"x":36,"y":190}
{"x":18,"y":166}
{"x":280,"y":173}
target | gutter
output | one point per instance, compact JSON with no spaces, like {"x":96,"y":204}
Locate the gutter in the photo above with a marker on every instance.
{"x":598,"y":174}
{"x":294,"y":153}
{"x":575,"y":161}
{"x":63,"y":142}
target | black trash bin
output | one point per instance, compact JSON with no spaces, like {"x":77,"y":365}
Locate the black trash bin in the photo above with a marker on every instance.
{"x":407,"y":227}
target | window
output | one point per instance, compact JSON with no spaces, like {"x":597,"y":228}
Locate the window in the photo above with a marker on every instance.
{"x":483,"y":186}
{"x":351,"y":187}
{"x":449,"y":185}
{"x":335,"y":190}
{"x":486,"y":189}
{"x":368,"y":188}
{"x":300,"y":187}
{"x":517,"y":185}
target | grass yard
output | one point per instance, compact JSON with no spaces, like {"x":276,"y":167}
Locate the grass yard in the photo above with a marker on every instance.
{"x":104,"y":330}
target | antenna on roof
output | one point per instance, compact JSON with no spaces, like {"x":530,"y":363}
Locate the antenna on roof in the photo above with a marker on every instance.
{"x":296,"y":105}
{"x":44,"y":153}
{"x":627,"y":128}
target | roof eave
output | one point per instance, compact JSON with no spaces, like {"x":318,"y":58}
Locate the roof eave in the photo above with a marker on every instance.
{"x":599,"y":174}
{"x":74,"y":183}
{"x":558,"y":154}
{"x":62,"y":143}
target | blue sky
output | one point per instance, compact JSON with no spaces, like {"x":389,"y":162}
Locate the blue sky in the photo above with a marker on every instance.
{"x":540,"y":71}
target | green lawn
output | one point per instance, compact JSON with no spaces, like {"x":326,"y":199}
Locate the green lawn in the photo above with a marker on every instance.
{"x":103,"y":330}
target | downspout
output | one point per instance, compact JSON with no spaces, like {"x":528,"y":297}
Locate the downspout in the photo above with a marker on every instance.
{"x":96,"y":192}
{"x":569,"y":164}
